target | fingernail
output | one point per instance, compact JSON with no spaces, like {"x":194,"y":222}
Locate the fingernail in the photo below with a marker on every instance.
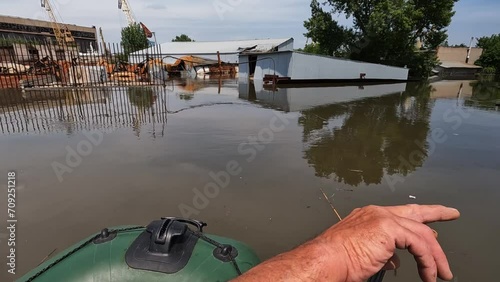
{"x":436,"y":234}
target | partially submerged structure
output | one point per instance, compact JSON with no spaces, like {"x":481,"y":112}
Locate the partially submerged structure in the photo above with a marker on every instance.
{"x":458,"y":63}
{"x":201,"y":66}
{"x":300,"y":67}
{"x":272,"y":58}
{"x":229,"y":51}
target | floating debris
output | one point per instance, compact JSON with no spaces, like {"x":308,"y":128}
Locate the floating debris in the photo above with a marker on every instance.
{"x":345,"y":190}
{"x":356,"y":170}
{"x":413,"y":197}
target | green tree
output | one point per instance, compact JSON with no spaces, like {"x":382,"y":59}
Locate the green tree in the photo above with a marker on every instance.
{"x":312,"y":48}
{"x":134,"y":39}
{"x":329,"y":38}
{"x":490,"y":59}
{"x":182,"y":38}
{"x":386,"y":31}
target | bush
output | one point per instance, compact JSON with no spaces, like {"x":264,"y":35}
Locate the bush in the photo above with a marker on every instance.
{"x":489,"y":70}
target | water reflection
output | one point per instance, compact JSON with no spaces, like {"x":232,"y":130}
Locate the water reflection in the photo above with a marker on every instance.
{"x":297,"y":99}
{"x":353,"y":134}
{"x":485,"y":95}
{"x":70,"y":111}
{"x":360,"y":141}
{"x":482,"y":94}
{"x":357,"y":134}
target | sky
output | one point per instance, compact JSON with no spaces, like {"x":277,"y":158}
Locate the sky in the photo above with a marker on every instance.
{"x":213,"y":20}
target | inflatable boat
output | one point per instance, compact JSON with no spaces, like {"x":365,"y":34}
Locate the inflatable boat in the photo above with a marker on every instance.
{"x":170,"y":249}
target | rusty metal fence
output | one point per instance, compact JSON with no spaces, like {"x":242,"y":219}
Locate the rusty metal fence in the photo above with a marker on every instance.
{"x":26,"y":65}
{"x":72,"y":110}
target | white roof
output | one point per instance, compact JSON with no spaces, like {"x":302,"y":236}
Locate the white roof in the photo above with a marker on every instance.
{"x":211,"y":47}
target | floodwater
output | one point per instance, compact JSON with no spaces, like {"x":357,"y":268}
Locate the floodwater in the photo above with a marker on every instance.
{"x":144,"y":153}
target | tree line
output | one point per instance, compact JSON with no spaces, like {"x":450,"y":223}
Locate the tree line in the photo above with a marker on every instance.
{"x":398,"y":33}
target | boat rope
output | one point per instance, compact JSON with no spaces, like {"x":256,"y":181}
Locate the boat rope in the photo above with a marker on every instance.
{"x":83,"y":245}
{"x":218,"y":245}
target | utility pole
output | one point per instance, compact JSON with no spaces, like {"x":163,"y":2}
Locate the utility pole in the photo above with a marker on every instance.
{"x":469,"y":51}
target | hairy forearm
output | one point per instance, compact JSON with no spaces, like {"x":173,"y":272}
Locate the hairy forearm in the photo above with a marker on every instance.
{"x":309,"y":262}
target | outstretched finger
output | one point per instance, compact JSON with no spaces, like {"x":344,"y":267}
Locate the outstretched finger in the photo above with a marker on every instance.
{"x":425,"y":214}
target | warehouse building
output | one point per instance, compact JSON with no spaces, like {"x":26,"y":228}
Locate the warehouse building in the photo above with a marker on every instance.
{"x":229,"y":50}
{"x":19,"y":29}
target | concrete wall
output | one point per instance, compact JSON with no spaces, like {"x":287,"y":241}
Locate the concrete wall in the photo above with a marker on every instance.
{"x":306,"y":66}
{"x":458,"y":73}
{"x":458,"y":54}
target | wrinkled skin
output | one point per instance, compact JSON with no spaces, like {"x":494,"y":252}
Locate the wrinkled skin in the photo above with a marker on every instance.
{"x":362,"y":244}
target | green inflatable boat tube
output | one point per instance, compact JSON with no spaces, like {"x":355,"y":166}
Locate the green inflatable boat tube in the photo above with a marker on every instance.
{"x":169,"y":249}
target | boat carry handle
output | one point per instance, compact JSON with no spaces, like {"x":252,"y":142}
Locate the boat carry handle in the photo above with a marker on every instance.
{"x":198,"y":224}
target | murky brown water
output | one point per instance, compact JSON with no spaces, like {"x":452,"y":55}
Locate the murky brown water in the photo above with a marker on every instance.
{"x":362,"y":145}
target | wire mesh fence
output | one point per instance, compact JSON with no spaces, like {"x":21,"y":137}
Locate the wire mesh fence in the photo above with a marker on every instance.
{"x":26,"y":64}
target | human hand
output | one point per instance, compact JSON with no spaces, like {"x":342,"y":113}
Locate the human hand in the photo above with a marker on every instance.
{"x":365,"y":242}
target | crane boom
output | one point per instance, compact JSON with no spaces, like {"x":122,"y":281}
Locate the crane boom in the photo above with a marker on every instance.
{"x":63,"y":35}
{"x":124,"y":5}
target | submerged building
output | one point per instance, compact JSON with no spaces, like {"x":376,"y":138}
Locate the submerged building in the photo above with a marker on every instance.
{"x":257,"y":59}
{"x":19,"y":29}
{"x":458,"y":63}
{"x":302,"y":67}
{"x":229,"y":50}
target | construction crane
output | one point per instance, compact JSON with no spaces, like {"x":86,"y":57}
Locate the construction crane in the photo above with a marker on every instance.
{"x":61,"y":31}
{"x":124,"y":5}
